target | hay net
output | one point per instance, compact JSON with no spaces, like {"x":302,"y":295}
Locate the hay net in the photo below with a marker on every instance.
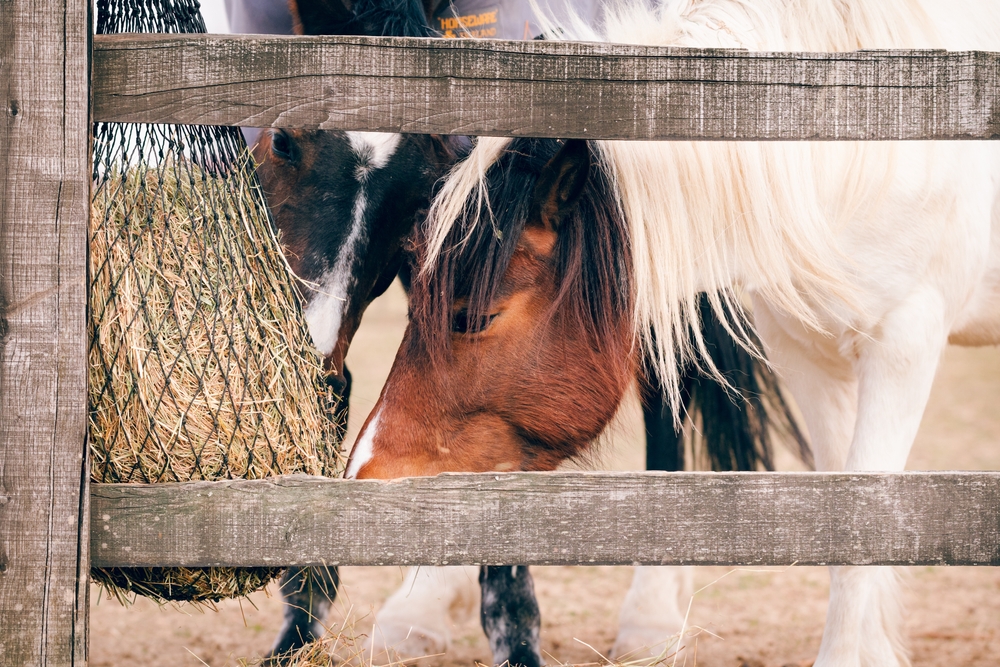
{"x":201,"y":365}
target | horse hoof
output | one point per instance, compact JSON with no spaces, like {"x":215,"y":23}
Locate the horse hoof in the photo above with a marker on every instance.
{"x":641,"y":643}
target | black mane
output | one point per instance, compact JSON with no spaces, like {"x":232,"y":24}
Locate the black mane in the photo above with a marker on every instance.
{"x":397,"y":18}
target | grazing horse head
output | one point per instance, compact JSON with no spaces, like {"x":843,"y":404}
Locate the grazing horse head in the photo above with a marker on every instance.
{"x":344,"y":204}
{"x":520,"y":344}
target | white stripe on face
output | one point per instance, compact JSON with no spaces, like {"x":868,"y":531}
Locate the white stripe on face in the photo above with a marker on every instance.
{"x":326,"y":309}
{"x":364,"y":448}
{"x":373,"y":150}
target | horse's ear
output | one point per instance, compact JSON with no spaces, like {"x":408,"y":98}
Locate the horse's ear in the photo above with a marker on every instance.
{"x":560,"y":184}
{"x":444,"y":149}
{"x":322,"y":17}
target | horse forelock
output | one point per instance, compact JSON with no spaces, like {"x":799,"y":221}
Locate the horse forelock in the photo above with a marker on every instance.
{"x":467,"y":179}
{"x":591,"y":259}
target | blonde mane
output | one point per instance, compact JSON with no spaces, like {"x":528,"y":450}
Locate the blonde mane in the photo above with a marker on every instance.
{"x":708,"y":216}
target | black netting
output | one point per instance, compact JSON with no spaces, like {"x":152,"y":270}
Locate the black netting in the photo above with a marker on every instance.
{"x":117,"y":16}
{"x":201,"y":366}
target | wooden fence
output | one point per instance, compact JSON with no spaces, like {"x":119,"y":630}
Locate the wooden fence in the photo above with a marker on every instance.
{"x":548,"y":89}
{"x":555,"y":519}
{"x":49,"y":532}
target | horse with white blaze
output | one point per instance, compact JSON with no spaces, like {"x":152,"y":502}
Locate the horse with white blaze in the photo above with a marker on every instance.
{"x":551,"y":268}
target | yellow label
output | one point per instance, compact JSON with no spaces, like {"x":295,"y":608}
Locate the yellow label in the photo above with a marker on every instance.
{"x":472,"y":25}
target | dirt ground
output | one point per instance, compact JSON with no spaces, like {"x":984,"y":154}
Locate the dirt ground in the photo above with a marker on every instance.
{"x":769,"y":618}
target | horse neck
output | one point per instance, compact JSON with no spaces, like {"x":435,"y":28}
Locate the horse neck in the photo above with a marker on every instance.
{"x":808,"y":25}
{"x":705,"y":215}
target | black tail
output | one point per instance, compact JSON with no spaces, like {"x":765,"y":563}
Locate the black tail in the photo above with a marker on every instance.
{"x":732,"y":431}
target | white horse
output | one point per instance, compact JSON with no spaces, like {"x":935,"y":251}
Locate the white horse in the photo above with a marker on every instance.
{"x":863,"y":260}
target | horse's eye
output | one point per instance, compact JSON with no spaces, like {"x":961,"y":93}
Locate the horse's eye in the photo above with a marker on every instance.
{"x":461,"y":323}
{"x":281,"y":145}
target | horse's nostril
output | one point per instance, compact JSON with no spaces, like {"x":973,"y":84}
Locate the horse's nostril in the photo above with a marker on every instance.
{"x":338,"y":383}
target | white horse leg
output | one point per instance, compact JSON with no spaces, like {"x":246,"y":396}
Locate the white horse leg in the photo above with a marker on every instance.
{"x":864,"y":619}
{"x":826,"y":391}
{"x":418,"y":618}
{"x":895,"y":374}
{"x":894,"y":371}
{"x":823,"y":383}
{"x":652,"y":616}
{"x":864,"y":622}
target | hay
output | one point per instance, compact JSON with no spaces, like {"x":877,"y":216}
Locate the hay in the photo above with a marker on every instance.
{"x":183,"y":584}
{"x":201,"y":366}
{"x":345,"y":648}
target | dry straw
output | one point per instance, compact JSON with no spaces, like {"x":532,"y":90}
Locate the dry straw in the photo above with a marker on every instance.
{"x":201,"y":366}
{"x":345,"y":647}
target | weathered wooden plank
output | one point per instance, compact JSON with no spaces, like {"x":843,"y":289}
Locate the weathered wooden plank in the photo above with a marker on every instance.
{"x":557,"y":518}
{"x":504,"y":88}
{"x":44,"y":203}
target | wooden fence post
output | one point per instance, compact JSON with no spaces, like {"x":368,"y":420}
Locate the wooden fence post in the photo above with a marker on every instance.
{"x":44,"y":204}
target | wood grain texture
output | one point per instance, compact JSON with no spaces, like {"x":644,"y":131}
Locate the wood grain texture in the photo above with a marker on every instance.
{"x":556,"y":519}
{"x":44,"y":204}
{"x":552,"y":89}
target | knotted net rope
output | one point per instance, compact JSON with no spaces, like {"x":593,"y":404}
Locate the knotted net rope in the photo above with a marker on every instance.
{"x":201,"y":365}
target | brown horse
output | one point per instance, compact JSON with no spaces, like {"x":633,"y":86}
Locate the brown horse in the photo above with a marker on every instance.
{"x":520,"y":347}
{"x":311,"y":181}
{"x":521,"y":339}
{"x":522,"y":336}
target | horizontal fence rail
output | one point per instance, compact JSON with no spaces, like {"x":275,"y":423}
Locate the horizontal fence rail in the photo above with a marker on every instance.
{"x":547,"y":89}
{"x":555,"y":518}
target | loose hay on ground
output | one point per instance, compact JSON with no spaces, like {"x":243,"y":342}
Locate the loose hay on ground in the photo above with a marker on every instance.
{"x":345,"y":648}
{"x":201,"y":366}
